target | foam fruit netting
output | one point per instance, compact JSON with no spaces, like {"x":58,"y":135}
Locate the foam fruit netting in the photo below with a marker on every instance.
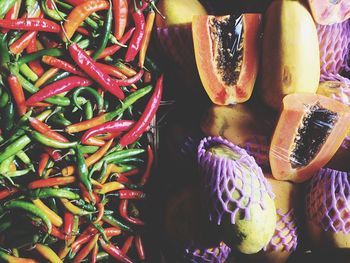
{"x":285,"y":237}
{"x":232,"y":186}
{"x":213,"y":255}
{"x":327,"y":200}
{"x":334,"y":51}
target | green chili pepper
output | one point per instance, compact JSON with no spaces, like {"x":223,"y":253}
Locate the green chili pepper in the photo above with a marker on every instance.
{"x":32,"y":7}
{"x":84,"y":43}
{"x":5,"y":6}
{"x":53,"y":192}
{"x":83,"y":171}
{"x":102,"y":256}
{"x":59,"y":119}
{"x":9,"y":115}
{"x":58,"y":77}
{"x":52,"y":13}
{"x":4,"y":51}
{"x":5,"y":165}
{"x":51,"y":142}
{"x":30,"y":208}
{"x":86,"y":206}
{"x":58,"y":100}
{"x":23,"y":157}
{"x":4,"y":98}
{"x":102,"y":231}
{"x":91,"y":91}
{"x":87,"y":149}
{"x":89,"y":113}
{"x":77,"y":38}
{"x":14,"y":148}
{"x":53,"y":52}
{"x":116,"y":223}
{"x":107,"y":27}
{"x":49,"y":165}
{"x":18,"y":173}
{"x":27,"y":72}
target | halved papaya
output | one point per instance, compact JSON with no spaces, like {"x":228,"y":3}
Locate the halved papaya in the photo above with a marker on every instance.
{"x":327,"y":12}
{"x":227,"y":55}
{"x":310,"y":130}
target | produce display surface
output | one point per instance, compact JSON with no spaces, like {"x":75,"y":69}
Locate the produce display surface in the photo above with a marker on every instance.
{"x":174,"y":131}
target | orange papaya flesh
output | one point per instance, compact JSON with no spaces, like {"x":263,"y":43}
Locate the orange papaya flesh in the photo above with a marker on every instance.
{"x":310,"y":130}
{"x":226,"y":52}
{"x":327,"y":12}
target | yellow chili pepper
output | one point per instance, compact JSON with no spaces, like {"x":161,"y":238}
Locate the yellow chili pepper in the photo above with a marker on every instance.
{"x":48,"y":253}
{"x":145,"y":41}
{"x":73,"y":209}
{"x":110,"y":187}
{"x":46,"y":76}
{"x":54,"y":218}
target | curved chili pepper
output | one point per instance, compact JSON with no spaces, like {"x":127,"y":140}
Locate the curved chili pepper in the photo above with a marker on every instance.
{"x":30,"y":208}
{"x":8,"y":258}
{"x":44,"y":158}
{"x":51,"y":142}
{"x":111,"y":70}
{"x":58,"y":87}
{"x":56,"y":232}
{"x":47,"y":253}
{"x":136,"y":40}
{"x":146,"y":39}
{"x":147,"y":171}
{"x":120,"y":12}
{"x":23,"y":42}
{"x":127,"y":71}
{"x":32,"y":24}
{"x":88,"y":65}
{"x":100,"y":208}
{"x":53,"y":192}
{"x":50,"y":73}
{"x":45,"y":129}
{"x":110,"y":187}
{"x":107,"y":27}
{"x":17,"y":93}
{"x":130,"y":100}
{"x":114,"y":252}
{"x":73,"y":209}
{"x":27,"y":72}
{"x":116,"y":223}
{"x":130,"y":194}
{"x":86,"y":250}
{"x":83,"y":171}
{"x":54,"y":52}
{"x":54,"y":218}
{"x":146,"y":117}
{"x":127,"y":244}
{"x":93,"y":92}
{"x":117,"y":126}
{"x":79,"y":14}
{"x":132,"y":80}
{"x":94,"y":253}
{"x":123,"y":210}
{"x":8,"y":192}
{"x":54,"y":153}
{"x":34,"y":65}
{"x":68,"y":224}
{"x":54,"y":181}
{"x":14,"y":147}
{"x":140,"y":248}
{"x":61,"y":64}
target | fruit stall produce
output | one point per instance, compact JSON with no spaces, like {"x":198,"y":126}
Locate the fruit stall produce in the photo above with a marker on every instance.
{"x":175,"y":131}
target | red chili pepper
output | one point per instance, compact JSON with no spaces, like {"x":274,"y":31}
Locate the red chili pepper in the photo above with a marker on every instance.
{"x":132,"y":80}
{"x":131,"y":194}
{"x":30,"y":24}
{"x":120,"y":13}
{"x":108,"y":136}
{"x":136,"y":40}
{"x":86,"y":250}
{"x":88,"y":65}
{"x":123,"y":210}
{"x":122,"y":179}
{"x":8,"y":192}
{"x":112,"y":126}
{"x":45,"y":129}
{"x":68,"y":225}
{"x":44,"y":158}
{"x":127,"y":244}
{"x":83,"y":31}
{"x":84,"y":193}
{"x":83,"y":238}
{"x":94,"y":253}
{"x":61,"y":64}
{"x":54,"y":181}
{"x":17,"y":93}
{"x":110,"y":51}
{"x":54,"y":153}
{"x":58,"y":87}
{"x":13,"y":13}
{"x":147,"y":172}
{"x":111,"y":70}
{"x":114,"y":252}
{"x":142,"y":124}
{"x":101,"y":209}
{"x":139,"y":247}
{"x":112,"y":231}
{"x":131,"y":173}
{"x":57,"y":233}
{"x":24,"y":41}
{"x":34,"y":65}
{"x":75,"y":2}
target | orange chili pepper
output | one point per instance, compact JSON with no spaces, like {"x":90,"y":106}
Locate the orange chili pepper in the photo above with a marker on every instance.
{"x":86,"y":250}
{"x":7,"y":192}
{"x":22,"y":43}
{"x":46,"y":76}
{"x":146,"y":39}
{"x":120,"y":13}
{"x":45,"y":129}
{"x":127,"y":244}
{"x":92,"y":159}
{"x":17,"y":93}
{"x":79,"y":14}
{"x":44,"y":158}
{"x":54,"y":181}
{"x":101,"y":210}
{"x":47,"y":253}
{"x":34,"y":65}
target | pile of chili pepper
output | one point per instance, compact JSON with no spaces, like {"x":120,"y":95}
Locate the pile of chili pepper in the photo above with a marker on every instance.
{"x":78,"y":96}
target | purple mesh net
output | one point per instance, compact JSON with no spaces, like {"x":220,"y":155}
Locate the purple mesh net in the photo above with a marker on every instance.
{"x":327,"y":201}
{"x":285,"y":237}
{"x":232,"y":186}
{"x":213,"y":255}
{"x":334,"y":50}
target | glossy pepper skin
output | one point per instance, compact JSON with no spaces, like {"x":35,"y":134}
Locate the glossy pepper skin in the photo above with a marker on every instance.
{"x":36,"y":24}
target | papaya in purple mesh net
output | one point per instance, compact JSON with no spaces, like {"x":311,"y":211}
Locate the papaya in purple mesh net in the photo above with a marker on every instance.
{"x":227,"y":55}
{"x":327,"y":12}
{"x":310,"y":130}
